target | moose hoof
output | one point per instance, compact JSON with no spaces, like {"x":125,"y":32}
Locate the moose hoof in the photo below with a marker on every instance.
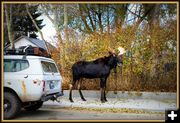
{"x":71,"y":101}
{"x":103,"y":101}
{"x":84,"y":99}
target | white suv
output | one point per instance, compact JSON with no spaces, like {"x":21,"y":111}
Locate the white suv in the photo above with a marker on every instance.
{"x":28,"y":82}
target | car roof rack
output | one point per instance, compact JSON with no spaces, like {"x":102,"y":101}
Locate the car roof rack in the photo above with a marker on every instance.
{"x":27,"y":50}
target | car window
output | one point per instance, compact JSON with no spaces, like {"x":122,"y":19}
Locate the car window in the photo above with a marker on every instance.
{"x":24,"y":64}
{"x":15,"y":65}
{"x":49,"y":67}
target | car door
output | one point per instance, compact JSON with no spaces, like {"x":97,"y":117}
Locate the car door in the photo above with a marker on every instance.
{"x":51,"y":76}
{"x":14,"y":76}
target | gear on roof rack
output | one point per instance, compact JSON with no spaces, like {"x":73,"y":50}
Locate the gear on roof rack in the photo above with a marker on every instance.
{"x":27,"y":50}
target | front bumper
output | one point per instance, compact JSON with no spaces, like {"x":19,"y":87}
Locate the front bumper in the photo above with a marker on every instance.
{"x":51,"y":96}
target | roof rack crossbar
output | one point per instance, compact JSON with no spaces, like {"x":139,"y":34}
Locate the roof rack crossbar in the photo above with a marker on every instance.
{"x":27,"y":50}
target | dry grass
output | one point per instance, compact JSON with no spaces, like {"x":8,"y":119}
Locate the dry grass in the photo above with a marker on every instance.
{"x":144,"y":71}
{"x":125,"y":83}
{"x":112,"y":110}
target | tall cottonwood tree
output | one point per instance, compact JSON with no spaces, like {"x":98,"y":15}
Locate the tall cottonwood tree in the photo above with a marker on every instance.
{"x":137,"y":27}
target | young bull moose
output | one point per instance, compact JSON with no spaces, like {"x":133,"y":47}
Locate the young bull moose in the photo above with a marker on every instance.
{"x":99,"y":68}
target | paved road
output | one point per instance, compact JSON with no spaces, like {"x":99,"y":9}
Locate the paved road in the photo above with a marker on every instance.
{"x":124,"y":106}
{"x":85,"y":114}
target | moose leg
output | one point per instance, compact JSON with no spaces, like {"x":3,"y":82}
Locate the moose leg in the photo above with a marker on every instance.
{"x":105,"y":91}
{"x":79,"y":88}
{"x":102,"y":95}
{"x":71,"y":86}
{"x":105,"y":95}
{"x":102,"y":90}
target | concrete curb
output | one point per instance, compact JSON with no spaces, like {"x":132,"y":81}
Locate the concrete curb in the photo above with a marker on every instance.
{"x":134,"y":104}
{"x":125,"y":94}
{"x":122,"y":100}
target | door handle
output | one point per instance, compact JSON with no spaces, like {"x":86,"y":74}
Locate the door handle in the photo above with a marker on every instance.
{"x":26,"y":76}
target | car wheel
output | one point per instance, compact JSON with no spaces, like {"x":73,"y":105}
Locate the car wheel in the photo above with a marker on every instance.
{"x":12,"y":105}
{"x":34,"y":107}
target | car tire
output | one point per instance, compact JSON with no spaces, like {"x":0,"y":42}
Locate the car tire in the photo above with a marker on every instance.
{"x":34,"y":107}
{"x":12,"y":105}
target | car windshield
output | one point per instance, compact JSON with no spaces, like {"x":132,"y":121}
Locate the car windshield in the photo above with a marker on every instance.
{"x":49,"y":67}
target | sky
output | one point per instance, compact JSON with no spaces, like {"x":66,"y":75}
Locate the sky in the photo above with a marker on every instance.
{"x":48,"y":30}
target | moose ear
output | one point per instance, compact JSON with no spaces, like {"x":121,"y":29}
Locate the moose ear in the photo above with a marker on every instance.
{"x":112,"y":52}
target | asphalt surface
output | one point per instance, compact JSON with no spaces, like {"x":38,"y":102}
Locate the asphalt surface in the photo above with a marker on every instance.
{"x":85,"y":114}
{"x":122,"y":106}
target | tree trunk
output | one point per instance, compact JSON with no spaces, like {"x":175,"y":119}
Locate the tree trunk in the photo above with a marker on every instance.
{"x":153,"y":19}
{"x":53,"y":21}
{"x":66,"y":23}
{"x":90,"y":18}
{"x":108,"y":23}
{"x":81,"y":9}
{"x":100,"y":18}
{"x":8,"y":15}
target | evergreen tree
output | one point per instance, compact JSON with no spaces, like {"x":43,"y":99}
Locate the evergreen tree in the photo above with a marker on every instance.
{"x":21,"y":22}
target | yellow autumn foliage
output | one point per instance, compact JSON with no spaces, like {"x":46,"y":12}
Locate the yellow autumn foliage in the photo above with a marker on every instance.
{"x":143,"y":68}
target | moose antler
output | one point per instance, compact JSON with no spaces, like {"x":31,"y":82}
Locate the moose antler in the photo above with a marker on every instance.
{"x":121,"y":50}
